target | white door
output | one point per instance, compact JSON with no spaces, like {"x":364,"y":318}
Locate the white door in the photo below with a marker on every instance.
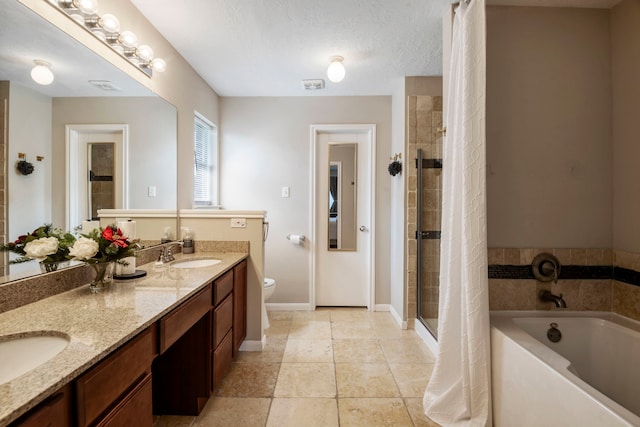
{"x":343,"y":220}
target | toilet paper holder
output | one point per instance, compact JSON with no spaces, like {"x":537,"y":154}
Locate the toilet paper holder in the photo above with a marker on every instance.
{"x":300,"y":236}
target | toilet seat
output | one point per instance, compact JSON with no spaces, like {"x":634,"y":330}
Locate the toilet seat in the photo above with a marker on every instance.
{"x":268,"y":282}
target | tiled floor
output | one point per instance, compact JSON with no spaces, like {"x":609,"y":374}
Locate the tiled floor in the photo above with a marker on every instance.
{"x":330,"y":367}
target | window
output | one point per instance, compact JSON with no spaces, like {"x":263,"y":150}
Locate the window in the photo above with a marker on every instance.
{"x":205,"y":162}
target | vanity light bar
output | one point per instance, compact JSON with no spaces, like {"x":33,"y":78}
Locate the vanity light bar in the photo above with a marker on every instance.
{"x":106,"y":28}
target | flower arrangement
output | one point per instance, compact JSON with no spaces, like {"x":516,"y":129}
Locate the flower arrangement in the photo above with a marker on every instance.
{"x":103,"y":245}
{"x":45,"y":244}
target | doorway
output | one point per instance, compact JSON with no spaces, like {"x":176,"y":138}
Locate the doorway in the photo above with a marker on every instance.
{"x":342,"y":206}
{"x":87,"y":147}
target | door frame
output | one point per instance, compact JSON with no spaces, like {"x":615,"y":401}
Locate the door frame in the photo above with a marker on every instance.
{"x":72,"y":143}
{"x":315,"y":131}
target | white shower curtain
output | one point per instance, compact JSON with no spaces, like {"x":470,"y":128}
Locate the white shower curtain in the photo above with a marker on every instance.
{"x":459,"y":392}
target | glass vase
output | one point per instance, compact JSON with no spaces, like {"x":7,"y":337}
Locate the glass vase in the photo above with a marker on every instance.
{"x":48,"y":267}
{"x":103,"y":275}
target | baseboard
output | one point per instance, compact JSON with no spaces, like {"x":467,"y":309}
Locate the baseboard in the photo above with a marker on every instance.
{"x":286,"y":306}
{"x":253,"y":345}
{"x":426,"y":336}
{"x":397,"y":318}
{"x":382,"y":307}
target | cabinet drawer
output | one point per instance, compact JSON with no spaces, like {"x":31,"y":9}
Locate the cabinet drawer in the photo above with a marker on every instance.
{"x":176,"y":323}
{"x":222,"y":357}
{"x":222,"y":320}
{"x":135,"y":409}
{"x":102,"y":385}
{"x":53,"y":412}
{"x":222,"y":287}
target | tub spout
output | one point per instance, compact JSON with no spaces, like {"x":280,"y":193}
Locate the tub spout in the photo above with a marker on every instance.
{"x":547,"y":296}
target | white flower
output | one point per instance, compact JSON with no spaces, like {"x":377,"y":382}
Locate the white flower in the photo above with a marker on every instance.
{"x":84,"y":248}
{"x":41,"y":248}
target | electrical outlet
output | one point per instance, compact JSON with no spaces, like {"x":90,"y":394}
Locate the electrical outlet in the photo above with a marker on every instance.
{"x":151,"y":191}
{"x":238,"y":222}
{"x":285,"y":191}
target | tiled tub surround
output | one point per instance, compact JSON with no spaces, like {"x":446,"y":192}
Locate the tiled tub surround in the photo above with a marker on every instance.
{"x":97,"y":324}
{"x":590,"y":279}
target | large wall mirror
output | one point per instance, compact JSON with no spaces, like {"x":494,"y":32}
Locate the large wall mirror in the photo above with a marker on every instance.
{"x":89,"y":93}
{"x":342,"y":197}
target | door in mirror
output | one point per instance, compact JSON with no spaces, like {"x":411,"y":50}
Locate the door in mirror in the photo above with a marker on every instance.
{"x":342,"y":197}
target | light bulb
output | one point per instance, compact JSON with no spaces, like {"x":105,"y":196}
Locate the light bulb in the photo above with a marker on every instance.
{"x":109,"y":23}
{"x":41,"y":73}
{"x":336,"y":71}
{"x":128,"y":39}
{"x":145,"y":52}
{"x":88,"y":7}
{"x":159,"y":65}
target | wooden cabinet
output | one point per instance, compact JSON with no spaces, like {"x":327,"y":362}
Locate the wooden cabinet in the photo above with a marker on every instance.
{"x":239,"y":305}
{"x":108,"y":388}
{"x":222,"y":327}
{"x":53,"y":412}
{"x":175,"y":324}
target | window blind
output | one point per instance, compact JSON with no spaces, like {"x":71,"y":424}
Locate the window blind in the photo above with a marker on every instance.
{"x":203,"y":162}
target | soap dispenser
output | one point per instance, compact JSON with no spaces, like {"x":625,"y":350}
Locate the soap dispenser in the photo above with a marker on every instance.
{"x":187,"y":241}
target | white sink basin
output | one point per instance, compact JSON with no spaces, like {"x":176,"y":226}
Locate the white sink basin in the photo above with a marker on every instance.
{"x":195,"y":263}
{"x":19,"y":355}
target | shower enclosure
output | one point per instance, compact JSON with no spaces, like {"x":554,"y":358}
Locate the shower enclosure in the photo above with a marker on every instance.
{"x":425,"y":137}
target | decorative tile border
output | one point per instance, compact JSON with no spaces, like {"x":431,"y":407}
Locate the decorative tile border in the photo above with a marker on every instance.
{"x":567,"y":272}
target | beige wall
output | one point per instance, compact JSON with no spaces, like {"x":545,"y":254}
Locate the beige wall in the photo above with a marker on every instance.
{"x":549,"y":157}
{"x":266,"y":146}
{"x":625,"y":56}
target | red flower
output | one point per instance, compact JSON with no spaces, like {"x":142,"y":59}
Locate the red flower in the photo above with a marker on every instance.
{"x":115,"y":236}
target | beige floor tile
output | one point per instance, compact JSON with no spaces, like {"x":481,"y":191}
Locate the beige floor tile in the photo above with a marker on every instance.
{"x":318,"y":315}
{"x":373,"y":412}
{"x":350,"y":315}
{"x":279,"y":315}
{"x":416,"y":411}
{"x":310,"y":329}
{"x":357,"y":351}
{"x":306,"y":380}
{"x":407,"y":350}
{"x":308,"y":351}
{"x":278,"y":329}
{"x":225,"y":412}
{"x":249,"y":380}
{"x":385,"y":331}
{"x":308,"y":412}
{"x":352,"y":330}
{"x":365,"y":380}
{"x":412,"y":378}
{"x":174,"y":421}
{"x":272,"y":353}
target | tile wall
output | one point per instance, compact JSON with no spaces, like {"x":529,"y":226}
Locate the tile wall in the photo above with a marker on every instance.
{"x":597,"y":279}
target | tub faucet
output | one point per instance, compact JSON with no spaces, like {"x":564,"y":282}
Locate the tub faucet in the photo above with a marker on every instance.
{"x":547,"y":296}
{"x":167,"y":251}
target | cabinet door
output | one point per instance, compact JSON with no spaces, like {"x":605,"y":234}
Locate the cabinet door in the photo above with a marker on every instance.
{"x":222,"y":320}
{"x":134,"y":409}
{"x":53,"y":412}
{"x":239,"y":305}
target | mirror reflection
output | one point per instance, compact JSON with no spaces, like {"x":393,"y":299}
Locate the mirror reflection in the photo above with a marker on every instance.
{"x":342,"y":197}
{"x":37,"y":118}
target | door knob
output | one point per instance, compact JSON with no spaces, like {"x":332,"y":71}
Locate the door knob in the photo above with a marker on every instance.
{"x":363,"y":228}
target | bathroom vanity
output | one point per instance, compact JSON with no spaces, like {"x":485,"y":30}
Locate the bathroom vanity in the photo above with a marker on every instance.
{"x":156,"y":345}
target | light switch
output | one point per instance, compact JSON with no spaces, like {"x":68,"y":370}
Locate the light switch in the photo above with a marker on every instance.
{"x":238,"y":222}
{"x":151,"y":191}
{"x":285,"y":191}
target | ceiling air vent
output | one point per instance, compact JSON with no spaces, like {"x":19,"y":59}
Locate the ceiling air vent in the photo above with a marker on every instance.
{"x":313,"y":84}
{"x":105,"y":85}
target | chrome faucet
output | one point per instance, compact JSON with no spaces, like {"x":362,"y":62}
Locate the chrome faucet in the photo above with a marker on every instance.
{"x":547,"y":296}
{"x":167,"y":251}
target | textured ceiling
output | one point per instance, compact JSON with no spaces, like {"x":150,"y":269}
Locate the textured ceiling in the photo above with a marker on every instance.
{"x":266,"y":47}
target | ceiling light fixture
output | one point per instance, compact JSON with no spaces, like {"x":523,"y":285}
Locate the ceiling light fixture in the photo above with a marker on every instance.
{"x":336,"y":70}
{"x":41,"y":73}
{"x":106,"y":28}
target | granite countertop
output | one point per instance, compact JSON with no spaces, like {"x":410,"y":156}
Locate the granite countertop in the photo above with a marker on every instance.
{"x":97,"y":324}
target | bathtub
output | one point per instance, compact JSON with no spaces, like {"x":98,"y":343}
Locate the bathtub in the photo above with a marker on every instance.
{"x":591,"y":377}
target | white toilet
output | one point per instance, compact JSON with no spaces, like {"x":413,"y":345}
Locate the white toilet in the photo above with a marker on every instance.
{"x":269,"y":287}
